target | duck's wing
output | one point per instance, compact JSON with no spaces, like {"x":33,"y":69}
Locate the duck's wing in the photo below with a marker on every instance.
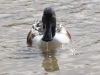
{"x":30,"y":36}
{"x":36,"y":30}
{"x":68,"y":35}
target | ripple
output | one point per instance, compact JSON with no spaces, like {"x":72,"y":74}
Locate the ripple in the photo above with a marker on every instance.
{"x":81,"y":57}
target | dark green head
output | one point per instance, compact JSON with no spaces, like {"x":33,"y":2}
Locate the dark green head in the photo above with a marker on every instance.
{"x":49,"y":24}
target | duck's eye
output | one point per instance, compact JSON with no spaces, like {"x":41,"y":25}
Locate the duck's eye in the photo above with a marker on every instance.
{"x":52,"y":16}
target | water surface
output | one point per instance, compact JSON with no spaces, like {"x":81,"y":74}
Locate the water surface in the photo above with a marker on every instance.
{"x":81,"y":57}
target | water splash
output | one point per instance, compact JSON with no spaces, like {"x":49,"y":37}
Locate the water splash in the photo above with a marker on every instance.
{"x":47,"y":49}
{"x":47,"y":46}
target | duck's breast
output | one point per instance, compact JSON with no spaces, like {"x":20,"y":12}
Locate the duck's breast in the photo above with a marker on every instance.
{"x":59,"y":39}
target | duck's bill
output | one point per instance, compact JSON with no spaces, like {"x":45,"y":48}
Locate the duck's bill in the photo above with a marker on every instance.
{"x":47,"y":36}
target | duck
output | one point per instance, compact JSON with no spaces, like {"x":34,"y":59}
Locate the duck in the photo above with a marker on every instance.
{"x":47,"y":30}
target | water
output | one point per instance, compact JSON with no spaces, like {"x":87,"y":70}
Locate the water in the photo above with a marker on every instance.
{"x":81,"y":57}
{"x":47,"y":46}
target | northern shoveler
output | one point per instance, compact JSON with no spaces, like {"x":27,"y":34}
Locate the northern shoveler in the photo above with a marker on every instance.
{"x":47,"y":30}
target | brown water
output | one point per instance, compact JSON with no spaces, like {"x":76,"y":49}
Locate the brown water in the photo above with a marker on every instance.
{"x":81,"y":57}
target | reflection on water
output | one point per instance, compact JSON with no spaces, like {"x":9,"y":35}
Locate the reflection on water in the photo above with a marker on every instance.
{"x":50,"y":62}
{"x":81,"y":57}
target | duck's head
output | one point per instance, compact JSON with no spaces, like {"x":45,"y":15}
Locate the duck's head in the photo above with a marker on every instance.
{"x":49,"y":24}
